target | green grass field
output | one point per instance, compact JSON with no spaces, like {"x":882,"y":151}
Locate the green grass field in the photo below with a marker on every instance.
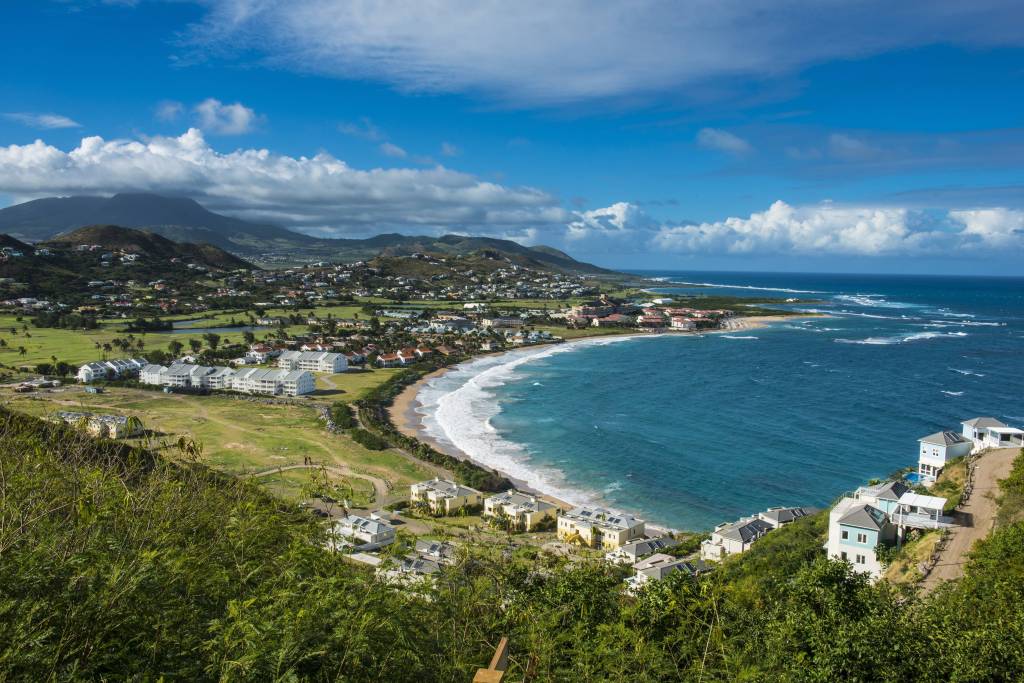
{"x":239,"y":436}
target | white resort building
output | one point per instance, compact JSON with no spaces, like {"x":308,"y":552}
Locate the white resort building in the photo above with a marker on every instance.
{"x":314,"y":361}
{"x":599,"y":528}
{"x":251,"y":381}
{"x":364,"y":533}
{"x":443,"y":496}
{"x":110,"y":369}
{"x":522,"y":509}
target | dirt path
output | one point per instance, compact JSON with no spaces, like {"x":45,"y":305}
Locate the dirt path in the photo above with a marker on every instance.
{"x":975,"y":519}
{"x":380,"y":486}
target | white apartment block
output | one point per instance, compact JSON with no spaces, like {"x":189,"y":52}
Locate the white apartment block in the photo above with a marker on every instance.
{"x":110,"y":369}
{"x":314,"y":361}
{"x":252,"y":381}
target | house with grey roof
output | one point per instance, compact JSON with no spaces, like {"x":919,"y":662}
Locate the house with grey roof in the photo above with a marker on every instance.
{"x":524,"y":510}
{"x":364,"y":533}
{"x":938,"y":449}
{"x":657,"y":567}
{"x":781,"y":516}
{"x":599,"y":528}
{"x":314,"y":361}
{"x":988,"y":432}
{"x":443,"y":496}
{"x":855,"y":531}
{"x":633,"y":552}
{"x":734,"y":537}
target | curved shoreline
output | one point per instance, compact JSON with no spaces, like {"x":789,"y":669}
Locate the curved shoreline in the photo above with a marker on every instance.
{"x":404,"y":416}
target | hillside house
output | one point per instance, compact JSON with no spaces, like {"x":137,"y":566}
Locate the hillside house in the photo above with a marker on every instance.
{"x":938,"y":449}
{"x":988,"y":432}
{"x":443,"y":496}
{"x":599,"y":528}
{"x":524,"y":510}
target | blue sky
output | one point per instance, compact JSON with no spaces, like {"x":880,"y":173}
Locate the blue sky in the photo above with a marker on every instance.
{"x":781,"y":136}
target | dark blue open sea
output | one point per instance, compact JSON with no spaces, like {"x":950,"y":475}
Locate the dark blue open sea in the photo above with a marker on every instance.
{"x":691,"y":431}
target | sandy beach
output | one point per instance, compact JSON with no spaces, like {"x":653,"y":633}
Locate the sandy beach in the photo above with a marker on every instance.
{"x":407,"y":421}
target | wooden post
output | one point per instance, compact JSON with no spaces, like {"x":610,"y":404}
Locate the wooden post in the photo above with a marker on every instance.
{"x":496,"y":669}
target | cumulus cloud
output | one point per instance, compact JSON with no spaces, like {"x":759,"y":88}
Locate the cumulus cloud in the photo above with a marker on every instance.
{"x":621,"y":219}
{"x":723,"y":141}
{"x":998,"y":227}
{"x":522,"y":52}
{"x":226,"y":119}
{"x":46,"y":121}
{"x":320,"y":194}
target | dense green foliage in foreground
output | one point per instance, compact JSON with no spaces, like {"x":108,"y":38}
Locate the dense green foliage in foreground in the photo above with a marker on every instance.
{"x":116,"y":564}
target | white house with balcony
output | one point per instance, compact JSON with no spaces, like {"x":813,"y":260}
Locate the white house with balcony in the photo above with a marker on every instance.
{"x":988,"y":432}
{"x":633,"y":552}
{"x":733,"y":537}
{"x":938,"y":449}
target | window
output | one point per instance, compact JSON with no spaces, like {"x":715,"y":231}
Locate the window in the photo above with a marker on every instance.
{"x":862,"y":538}
{"x":860,"y":559}
{"x":846,"y":534}
{"x":843,"y":555}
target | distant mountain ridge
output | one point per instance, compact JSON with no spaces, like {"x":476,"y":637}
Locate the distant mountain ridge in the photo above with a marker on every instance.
{"x":149,"y":244}
{"x":181,"y":219}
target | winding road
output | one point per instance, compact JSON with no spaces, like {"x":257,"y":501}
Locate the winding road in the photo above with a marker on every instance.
{"x":975,"y":519}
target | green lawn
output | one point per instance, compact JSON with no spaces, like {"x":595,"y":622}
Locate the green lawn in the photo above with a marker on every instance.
{"x":237,"y":436}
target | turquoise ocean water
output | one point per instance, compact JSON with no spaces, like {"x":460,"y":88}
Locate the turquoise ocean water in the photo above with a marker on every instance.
{"x":691,"y":431}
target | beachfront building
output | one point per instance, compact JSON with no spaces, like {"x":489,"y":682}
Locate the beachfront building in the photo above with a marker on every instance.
{"x":443,"y":496}
{"x":657,"y":567}
{"x":681,"y":323}
{"x":251,"y":381}
{"x":599,"y":528}
{"x":364,"y":533}
{"x":733,"y":537}
{"x":389,"y":360}
{"x":523,"y":511}
{"x":110,"y":369}
{"x":988,"y":432}
{"x":314,"y":361}
{"x":633,"y":552}
{"x":938,"y":449}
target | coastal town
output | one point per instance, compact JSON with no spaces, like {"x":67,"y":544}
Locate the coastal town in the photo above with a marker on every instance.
{"x":301,"y":335}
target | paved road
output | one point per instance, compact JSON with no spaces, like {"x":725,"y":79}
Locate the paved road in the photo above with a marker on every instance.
{"x":976,"y":518}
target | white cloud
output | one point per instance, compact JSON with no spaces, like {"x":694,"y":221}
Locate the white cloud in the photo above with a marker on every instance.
{"x":723,"y":141}
{"x":364,"y":129}
{"x":392,"y":150}
{"x":541,"y":52}
{"x":46,"y":121}
{"x":169,"y":110}
{"x":322,"y":194}
{"x":618,"y":220}
{"x":227,"y":119}
{"x":450,"y":150}
{"x":998,"y":227}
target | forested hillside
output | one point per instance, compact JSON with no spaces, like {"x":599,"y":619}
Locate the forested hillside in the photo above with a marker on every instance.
{"x":117,"y":563}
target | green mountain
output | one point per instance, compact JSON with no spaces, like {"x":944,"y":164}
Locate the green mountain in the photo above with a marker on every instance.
{"x":185,"y":220}
{"x":149,"y":245}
